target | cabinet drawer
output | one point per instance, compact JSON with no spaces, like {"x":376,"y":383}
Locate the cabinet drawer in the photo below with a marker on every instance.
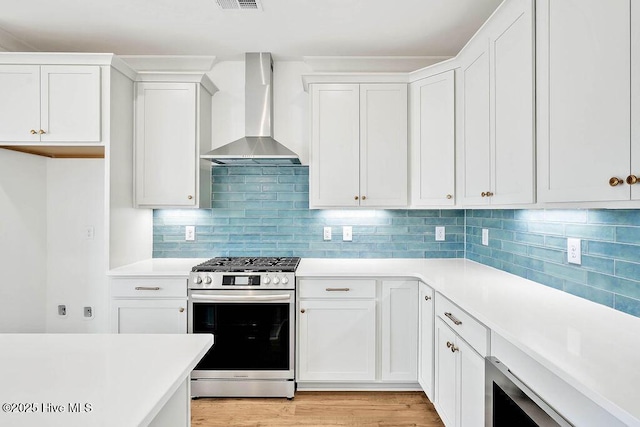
{"x":146,"y":287}
{"x":342,"y":289}
{"x":472,"y":331}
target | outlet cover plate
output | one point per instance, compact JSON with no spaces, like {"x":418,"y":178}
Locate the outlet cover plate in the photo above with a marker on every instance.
{"x":440,"y":234}
{"x":190,"y":233}
{"x":574,"y":251}
{"x":485,"y":236}
{"x":326,"y":233}
{"x":347,"y":233}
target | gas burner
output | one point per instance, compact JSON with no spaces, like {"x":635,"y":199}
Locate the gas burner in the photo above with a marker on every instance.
{"x":257,"y":264}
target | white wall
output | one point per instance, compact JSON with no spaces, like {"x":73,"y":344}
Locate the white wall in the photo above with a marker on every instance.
{"x":290,"y":103}
{"x":75,"y":263}
{"x":22,"y":242}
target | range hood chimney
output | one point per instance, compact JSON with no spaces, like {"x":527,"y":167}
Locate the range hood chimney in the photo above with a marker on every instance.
{"x":258,"y":145}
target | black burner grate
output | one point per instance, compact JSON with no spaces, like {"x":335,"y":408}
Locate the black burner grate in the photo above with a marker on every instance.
{"x":257,"y":264}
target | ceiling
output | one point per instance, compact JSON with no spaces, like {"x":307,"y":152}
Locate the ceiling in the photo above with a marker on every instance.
{"x":287,"y":28}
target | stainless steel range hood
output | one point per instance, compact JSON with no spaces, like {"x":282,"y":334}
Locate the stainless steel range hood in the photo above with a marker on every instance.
{"x":258,"y":146}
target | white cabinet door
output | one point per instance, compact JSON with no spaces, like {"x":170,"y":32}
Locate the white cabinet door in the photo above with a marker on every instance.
{"x":19,"y":103}
{"x":635,"y":98}
{"x":512,"y":105}
{"x":472,"y":387}
{"x":399,"y":330}
{"x":335,"y":145}
{"x":70,"y":103}
{"x":425,"y":342}
{"x":433,"y":141}
{"x":148,"y":316}
{"x":583,"y":94}
{"x":474,"y":79}
{"x":497,"y":114}
{"x":165,"y":145}
{"x":383,"y":145}
{"x":337,"y":340}
{"x":446,"y":375}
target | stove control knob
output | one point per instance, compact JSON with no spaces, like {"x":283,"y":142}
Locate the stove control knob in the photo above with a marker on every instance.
{"x":276,"y":280}
{"x":207,"y":280}
{"x":285,"y":280}
{"x":198,"y":280}
{"x":266,"y":280}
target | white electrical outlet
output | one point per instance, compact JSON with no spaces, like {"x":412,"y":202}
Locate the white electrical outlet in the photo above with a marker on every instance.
{"x":190,"y":233}
{"x":347,"y":233}
{"x":327,"y":233}
{"x":574,"y":255}
{"x":485,"y":236}
{"x":440,"y":234}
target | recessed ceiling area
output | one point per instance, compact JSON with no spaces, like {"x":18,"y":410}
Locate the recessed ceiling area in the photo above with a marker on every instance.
{"x":288,"y":28}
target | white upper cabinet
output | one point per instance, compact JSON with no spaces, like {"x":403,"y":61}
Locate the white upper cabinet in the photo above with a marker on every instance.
{"x":54,"y":104}
{"x":20,"y":103}
{"x":335,"y":146}
{"x":432,"y":149}
{"x":474,"y":84}
{"x":511,"y":51}
{"x":383,"y":145}
{"x":635,"y":101}
{"x":358,"y":145}
{"x":496,"y":116}
{"x":173,"y":127}
{"x":584,"y":97}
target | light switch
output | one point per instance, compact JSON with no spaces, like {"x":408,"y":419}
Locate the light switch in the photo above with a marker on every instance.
{"x":485,"y":236}
{"x":347,"y":233}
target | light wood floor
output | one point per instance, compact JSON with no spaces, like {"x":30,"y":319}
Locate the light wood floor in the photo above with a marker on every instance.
{"x":365,"y":409}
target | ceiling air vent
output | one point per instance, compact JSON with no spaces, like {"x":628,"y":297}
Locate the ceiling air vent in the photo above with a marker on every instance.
{"x":239,"y":4}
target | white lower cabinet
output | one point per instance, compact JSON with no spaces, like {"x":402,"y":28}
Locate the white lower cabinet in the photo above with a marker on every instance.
{"x":425,"y":340}
{"x":459,"y":367}
{"x":357,"y":331}
{"x":459,"y":386}
{"x":399,"y":315}
{"x":149,"y":306}
{"x":337,"y":340}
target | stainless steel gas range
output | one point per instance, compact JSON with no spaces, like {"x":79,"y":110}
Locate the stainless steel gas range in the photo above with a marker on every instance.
{"x":248,"y":304}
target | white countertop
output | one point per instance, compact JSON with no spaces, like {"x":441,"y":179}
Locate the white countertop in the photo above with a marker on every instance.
{"x":592,"y":347}
{"x":125,"y":378}
{"x":158,"y":267}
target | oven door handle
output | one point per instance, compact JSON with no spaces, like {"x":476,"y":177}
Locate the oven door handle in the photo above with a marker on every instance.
{"x":241,"y":298}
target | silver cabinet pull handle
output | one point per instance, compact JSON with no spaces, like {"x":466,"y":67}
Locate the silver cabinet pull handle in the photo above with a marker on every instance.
{"x":453,"y":318}
{"x":147,"y":288}
{"x":337,"y":289}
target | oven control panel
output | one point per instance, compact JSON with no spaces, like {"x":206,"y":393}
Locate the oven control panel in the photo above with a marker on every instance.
{"x":219,"y":280}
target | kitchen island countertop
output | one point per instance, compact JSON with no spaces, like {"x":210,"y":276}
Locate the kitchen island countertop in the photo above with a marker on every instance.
{"x":93,"y":379}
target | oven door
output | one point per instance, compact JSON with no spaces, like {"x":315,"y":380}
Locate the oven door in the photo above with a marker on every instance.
{"x":253,"y":329}
{"x":509,"y":402}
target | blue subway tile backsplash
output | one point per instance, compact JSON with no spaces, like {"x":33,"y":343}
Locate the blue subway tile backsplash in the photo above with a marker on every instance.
{"x":610,"y":270}
{"x":264,"y":211}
